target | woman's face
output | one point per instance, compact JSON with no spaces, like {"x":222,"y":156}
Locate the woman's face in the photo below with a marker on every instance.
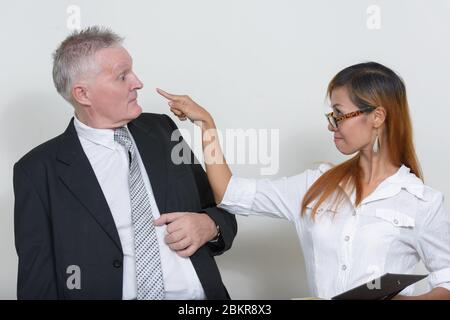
{"x":354,"y":134}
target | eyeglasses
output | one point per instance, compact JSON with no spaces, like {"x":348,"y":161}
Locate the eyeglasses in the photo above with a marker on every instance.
{"x":334,"y":121}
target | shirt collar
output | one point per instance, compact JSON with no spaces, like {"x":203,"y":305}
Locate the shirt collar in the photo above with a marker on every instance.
{"x":103,"y":137}
{"x":403,"y":179}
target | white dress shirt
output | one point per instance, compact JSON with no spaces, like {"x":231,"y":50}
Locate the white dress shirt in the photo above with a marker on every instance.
{"x":401,"y":222}
{"x":109,"y":161}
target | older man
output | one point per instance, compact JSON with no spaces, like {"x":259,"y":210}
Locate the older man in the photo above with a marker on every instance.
{"x":86,"y":201}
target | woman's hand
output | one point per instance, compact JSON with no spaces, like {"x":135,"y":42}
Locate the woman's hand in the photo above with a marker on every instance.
{"x":185,"y":108}
{"x":219,"y":174}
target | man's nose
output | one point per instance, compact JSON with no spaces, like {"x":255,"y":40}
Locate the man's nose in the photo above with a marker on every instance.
{"x":137,"y":84}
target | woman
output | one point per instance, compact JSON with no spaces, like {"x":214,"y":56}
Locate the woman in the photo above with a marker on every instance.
{"x":368,"y":216}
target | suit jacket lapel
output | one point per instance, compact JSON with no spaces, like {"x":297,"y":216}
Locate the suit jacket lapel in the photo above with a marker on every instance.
{"x":153,"y":156}
{"x":77,"y":174}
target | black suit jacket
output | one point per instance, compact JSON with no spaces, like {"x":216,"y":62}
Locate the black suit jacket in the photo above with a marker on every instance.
{"x":62,"y":217}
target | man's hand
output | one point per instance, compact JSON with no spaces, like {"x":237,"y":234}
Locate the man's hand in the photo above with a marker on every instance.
{"x":187,"y":231}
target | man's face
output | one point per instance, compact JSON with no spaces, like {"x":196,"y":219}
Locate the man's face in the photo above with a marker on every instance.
{"x":112,"y":92}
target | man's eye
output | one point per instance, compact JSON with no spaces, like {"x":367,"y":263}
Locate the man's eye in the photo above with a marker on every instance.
{"x":122,"y":77}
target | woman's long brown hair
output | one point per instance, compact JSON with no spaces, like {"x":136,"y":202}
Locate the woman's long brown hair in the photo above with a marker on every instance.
{"x":369,"y":85}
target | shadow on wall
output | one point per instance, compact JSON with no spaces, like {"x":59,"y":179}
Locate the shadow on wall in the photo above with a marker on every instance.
{"x":28,"y":121}
{"x":32,"y":119}
{"x":8,"y":272}
{"x":265,"y":262}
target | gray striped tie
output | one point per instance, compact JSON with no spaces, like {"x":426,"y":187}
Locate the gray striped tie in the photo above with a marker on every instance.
{"x":149,"y":275}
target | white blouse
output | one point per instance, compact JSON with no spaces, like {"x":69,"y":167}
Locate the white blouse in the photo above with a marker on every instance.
{"x":402,"y":222}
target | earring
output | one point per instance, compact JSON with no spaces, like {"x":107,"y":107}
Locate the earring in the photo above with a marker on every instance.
{"x":376,"y":145}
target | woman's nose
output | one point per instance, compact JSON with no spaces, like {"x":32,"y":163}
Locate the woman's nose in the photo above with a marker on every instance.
{"x":331,"y":128}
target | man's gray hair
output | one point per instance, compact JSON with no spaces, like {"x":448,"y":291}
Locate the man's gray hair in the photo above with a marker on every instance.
{"x":74,"y":56}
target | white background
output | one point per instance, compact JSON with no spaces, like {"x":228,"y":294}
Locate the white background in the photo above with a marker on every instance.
{"x":253,"y":64}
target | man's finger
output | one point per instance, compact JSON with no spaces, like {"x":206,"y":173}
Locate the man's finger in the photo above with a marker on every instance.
{"x":177,"y":224}
{"x":175,"y":236}
{"x":180,"y":245}
{"x":167,"y":218}
{"x":189,"y":251}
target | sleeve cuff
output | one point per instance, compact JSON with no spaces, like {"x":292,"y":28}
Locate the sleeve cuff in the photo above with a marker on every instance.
{"x":239,"y":196}
{"x":440,"y":278}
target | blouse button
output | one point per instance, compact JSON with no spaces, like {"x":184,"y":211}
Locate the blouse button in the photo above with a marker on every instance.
{"x":344,"y":267}
{"x":395,"y":221}
{"x":320,"y":210}
{"x":347,"y":238}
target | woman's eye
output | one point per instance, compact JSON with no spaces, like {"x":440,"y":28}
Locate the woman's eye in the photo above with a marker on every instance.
{"x":336,"y":112}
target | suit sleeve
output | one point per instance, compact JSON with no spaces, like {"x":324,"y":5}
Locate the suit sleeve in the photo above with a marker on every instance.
{"x":225,"y":221}
{"x":33,"y":240}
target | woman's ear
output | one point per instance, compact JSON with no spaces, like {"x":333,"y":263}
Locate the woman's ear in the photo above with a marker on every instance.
{"x":379,"y":116}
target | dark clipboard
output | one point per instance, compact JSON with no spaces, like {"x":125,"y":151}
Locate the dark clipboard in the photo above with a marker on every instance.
{"x":390,"y":285}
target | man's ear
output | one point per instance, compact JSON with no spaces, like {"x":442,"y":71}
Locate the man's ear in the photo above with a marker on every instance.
{"x":80,"y":94}
{"x":379,"y":116}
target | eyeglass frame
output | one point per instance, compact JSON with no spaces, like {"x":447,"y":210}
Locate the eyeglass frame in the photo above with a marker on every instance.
{"x":346,"y":116}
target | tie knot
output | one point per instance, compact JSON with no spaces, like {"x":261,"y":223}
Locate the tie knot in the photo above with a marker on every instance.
{"x":122,"y":136}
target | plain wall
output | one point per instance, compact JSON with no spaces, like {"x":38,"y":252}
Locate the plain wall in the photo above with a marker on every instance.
{"x":254,"y":64}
